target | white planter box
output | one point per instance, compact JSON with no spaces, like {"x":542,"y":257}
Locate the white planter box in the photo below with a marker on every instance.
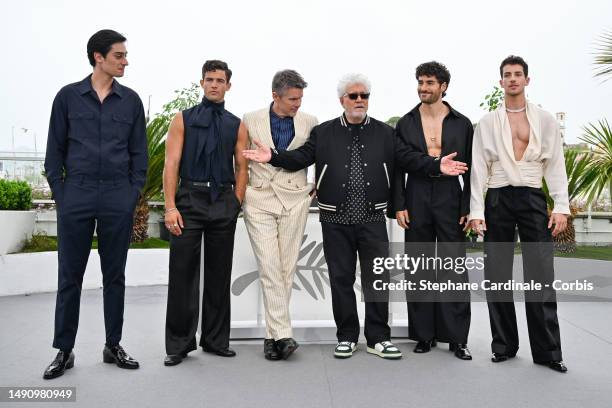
{"x":15,"y":228}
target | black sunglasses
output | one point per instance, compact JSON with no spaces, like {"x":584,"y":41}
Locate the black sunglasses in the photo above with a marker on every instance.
{"x":354,"y":96}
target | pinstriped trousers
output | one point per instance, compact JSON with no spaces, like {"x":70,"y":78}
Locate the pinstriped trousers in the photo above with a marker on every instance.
{"x":276,"y":241}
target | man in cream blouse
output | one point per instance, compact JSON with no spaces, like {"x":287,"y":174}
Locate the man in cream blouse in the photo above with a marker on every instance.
{"x":515,"y":147}
{"x":276,"y":206}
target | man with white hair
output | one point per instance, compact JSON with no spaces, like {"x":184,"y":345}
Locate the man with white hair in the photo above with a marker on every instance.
{"x":354,"y":156}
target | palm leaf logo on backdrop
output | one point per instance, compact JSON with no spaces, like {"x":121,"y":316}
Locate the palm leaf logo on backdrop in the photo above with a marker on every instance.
{"x":310,"y":274}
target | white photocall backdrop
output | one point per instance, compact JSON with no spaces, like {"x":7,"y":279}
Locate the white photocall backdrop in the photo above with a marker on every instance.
{"x":311,"y":308}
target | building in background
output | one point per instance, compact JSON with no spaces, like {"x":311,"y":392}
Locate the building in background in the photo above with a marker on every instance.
{"x":561,"y":120}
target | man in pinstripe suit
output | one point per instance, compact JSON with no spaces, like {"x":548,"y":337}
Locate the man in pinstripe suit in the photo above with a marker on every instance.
{"x":276,"y":206}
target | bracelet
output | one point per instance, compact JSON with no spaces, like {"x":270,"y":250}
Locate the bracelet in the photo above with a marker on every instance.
{"x":169,"y":210}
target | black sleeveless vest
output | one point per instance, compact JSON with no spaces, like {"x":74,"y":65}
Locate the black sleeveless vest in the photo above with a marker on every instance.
{"x":194,"y":164}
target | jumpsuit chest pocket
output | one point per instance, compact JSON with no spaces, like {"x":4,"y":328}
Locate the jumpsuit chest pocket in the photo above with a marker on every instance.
{"x":82,"y":125}
{"x":122,"y":126}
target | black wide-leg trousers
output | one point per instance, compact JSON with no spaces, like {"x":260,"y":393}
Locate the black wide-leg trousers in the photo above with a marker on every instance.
{"x":341,"y":245}
{"x":505,"y":209}
{"x":434,"y":209}
{"x":216,"y":221}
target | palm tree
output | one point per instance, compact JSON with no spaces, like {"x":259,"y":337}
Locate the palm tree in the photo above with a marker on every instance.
{"x":157,"y":128}
{"x":599,"y":169}
{"x":589,"y":174}
{"x":603,"y":56}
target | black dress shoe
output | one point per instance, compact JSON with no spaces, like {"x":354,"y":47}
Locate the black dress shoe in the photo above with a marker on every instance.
{"x":424,"y":346}
{"x":117,"y":355}
{"x":270,"y":350}
{"x":63,"y":361}
{"x":461,"y":351}
{"x":499,"y":357}
{"x":174,"y":359}
{"x":557,"y":365}
{"x":226,"y":352}
{"x":286,"y":347}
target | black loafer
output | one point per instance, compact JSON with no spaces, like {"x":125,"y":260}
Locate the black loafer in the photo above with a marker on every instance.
{"x":226,"y":352}
{"x":174,"y":359}
{"x":500,"y":357}
{"x":270,"y":350}
{"x":424,"y":346}
{"x":117,"y":355}
{"x":556,"y":365}
{"x":62,"y":362}
{"x":286,"y":347}
{"x":461,"y":351}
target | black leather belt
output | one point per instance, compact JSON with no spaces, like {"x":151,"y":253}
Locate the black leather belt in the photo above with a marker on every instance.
{"x":204,"y":184}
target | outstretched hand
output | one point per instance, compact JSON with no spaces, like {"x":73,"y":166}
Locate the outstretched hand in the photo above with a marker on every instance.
{"x":451,"y":167}
{"x":262,"y":154}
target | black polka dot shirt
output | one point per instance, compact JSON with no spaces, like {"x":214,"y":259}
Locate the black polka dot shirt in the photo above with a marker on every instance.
{"x":356,"y":194}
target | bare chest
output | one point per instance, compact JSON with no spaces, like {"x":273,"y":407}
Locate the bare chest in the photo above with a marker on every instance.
{"x":519,"y":127}
{"x":432,"y":130}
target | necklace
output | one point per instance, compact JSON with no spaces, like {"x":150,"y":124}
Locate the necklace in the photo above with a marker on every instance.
{"x":516,"y":110}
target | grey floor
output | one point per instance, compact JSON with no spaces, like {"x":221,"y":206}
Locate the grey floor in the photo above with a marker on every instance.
{"x":312,"y":377}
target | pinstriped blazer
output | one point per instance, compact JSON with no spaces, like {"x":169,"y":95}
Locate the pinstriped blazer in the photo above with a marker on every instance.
{"x":272,"y":188}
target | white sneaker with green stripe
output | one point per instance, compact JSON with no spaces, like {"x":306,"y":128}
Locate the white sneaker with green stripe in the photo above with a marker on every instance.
{"x":386,"y":349}
{"x":345,"y":349}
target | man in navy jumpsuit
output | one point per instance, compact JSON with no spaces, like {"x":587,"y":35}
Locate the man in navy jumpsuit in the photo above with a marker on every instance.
{"x":96,"y":164}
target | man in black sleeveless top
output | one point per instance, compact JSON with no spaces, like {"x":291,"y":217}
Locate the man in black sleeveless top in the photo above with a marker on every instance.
{"x":203,"y":148}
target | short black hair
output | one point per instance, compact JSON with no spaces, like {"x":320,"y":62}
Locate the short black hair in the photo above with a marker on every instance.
{"x":286,"y":79}
{"x":214,"y":65}
{"x":102,"y":42}
{"x":514,"y":60}
{"x":434,"y":69}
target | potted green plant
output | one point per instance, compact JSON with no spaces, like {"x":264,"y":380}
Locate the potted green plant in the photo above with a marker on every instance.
{"x":16,"y":215}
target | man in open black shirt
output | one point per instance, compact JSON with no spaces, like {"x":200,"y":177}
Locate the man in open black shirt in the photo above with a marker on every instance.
{"x":433,"y":208}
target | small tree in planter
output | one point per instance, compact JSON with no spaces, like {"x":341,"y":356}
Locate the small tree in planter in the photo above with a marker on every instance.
{"x":16,"y":216}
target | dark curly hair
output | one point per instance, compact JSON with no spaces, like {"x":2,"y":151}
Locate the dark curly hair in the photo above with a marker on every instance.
{"x":514,"y":60}
{"x":214,"y":65}
{"x":434,"y":69}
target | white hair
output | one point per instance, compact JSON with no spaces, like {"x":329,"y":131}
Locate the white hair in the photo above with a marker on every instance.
{"x":353,"y":79}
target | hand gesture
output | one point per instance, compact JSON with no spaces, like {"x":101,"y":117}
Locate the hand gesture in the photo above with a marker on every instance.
{"x":262,"y":154}
{"x":450,"y":167}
